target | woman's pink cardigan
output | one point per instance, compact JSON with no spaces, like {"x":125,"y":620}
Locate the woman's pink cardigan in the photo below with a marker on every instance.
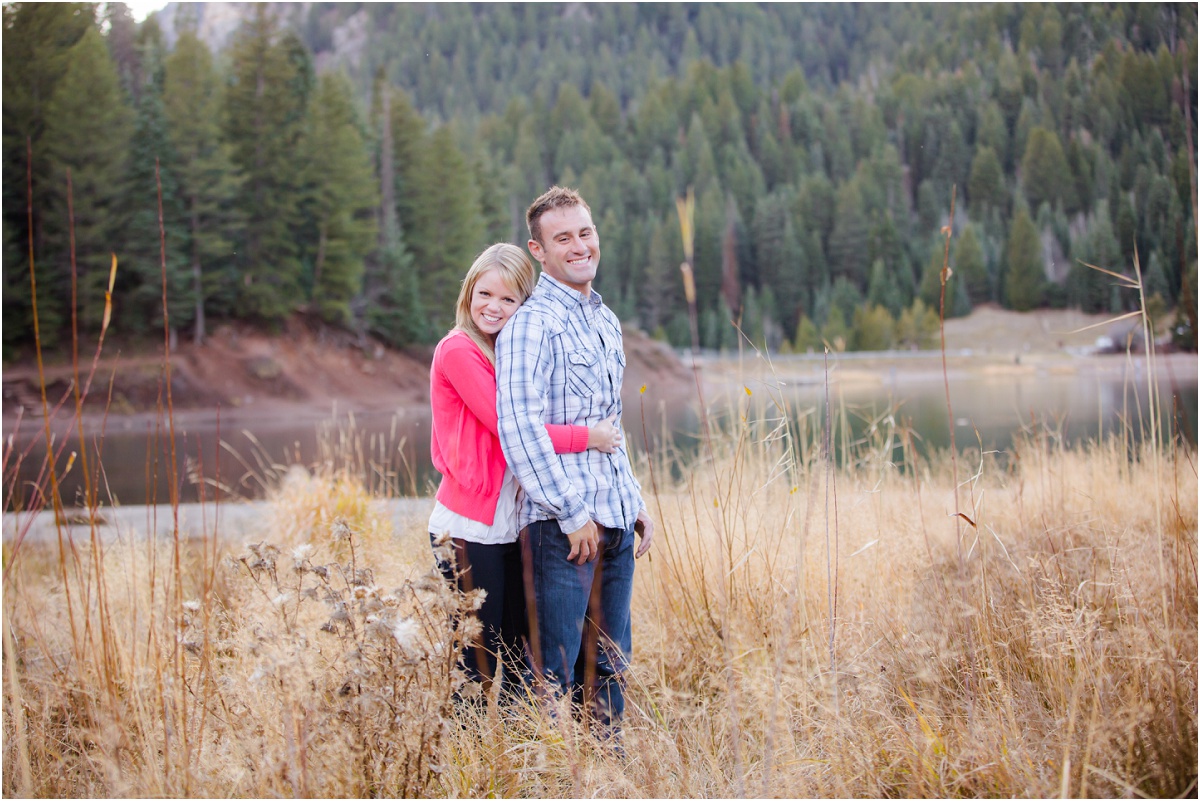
{"x":464,"y":443}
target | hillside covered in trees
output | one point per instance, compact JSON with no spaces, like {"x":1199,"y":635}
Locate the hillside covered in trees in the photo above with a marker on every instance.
{"x":349,"y":160}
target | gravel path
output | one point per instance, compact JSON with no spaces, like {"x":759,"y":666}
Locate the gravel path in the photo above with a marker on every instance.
{"x":239,"y":521}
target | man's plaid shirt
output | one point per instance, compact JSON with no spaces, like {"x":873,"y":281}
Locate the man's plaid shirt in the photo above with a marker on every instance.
{"x":560,"y":359}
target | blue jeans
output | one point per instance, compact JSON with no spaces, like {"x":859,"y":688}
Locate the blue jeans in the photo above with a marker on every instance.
{"x":583,"y":636}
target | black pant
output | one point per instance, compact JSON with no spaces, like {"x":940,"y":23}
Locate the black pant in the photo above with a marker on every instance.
{"x":497,"y":569}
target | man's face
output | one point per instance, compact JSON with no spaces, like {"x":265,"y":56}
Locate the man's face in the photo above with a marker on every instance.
{"x":572,"y":247}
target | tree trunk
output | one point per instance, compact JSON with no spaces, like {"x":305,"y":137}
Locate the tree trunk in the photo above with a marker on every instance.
{"x":387,"y":177}
{"x":320,"y":260}
{"x":197,"y":284}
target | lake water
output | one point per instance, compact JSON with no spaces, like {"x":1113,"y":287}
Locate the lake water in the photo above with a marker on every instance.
{"x":1077,"y":401}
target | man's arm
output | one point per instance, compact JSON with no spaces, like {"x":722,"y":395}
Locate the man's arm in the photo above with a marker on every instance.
{"x":522,"y":385}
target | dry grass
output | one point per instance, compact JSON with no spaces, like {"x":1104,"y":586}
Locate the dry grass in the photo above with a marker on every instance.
{"x":1042,"y":664}
{"x":800,"y":630}
{"x":1056,"y":655}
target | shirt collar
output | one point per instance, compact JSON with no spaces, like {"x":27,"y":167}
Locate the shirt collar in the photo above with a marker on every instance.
{"x":565,"y":296}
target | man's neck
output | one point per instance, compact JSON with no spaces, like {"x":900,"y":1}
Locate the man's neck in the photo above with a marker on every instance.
{"x":585,"y":290}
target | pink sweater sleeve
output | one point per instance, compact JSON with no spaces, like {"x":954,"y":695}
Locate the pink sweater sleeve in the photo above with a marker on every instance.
{"x":474,"y":379}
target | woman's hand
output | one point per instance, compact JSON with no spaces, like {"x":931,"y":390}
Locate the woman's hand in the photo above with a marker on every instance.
{"x":605,"y":436}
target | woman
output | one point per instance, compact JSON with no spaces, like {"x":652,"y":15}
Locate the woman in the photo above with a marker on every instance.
{"x":476,"y":501}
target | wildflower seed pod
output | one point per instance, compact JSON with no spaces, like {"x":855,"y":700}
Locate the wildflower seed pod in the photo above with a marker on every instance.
{"x":340,"y":530}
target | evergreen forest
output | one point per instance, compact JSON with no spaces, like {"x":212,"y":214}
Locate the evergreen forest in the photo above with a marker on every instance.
{"x":347,"y":161}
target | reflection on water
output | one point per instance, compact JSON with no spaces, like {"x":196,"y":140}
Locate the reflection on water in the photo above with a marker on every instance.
{"x":393,"y":452}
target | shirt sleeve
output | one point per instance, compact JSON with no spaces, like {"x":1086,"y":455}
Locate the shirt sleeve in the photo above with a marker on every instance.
{"x":469,"y":372}
{"x":523,"y":368}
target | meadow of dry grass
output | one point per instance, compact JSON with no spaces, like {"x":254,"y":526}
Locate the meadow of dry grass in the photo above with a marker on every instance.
{"x":800,"y":630}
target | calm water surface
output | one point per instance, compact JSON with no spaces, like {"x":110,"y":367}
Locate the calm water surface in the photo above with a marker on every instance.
{"x":1075,"y":404}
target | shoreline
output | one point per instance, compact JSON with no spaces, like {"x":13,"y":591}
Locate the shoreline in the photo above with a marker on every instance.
{"x":718,"y":372}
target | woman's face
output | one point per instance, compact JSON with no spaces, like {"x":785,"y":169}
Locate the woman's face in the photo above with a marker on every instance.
{"x":492,"y":302}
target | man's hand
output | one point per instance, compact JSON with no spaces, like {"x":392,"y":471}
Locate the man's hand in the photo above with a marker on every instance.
{"x":644,"y":526}
{"x":585,"y":543}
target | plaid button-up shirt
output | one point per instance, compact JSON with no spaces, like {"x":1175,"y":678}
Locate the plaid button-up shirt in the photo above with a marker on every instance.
{"x":560,"y":359}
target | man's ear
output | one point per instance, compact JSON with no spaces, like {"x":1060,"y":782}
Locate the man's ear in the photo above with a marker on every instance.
{"x":536,"y":250}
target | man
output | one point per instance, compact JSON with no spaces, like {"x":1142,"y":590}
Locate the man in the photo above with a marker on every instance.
{"x":560,"y":360}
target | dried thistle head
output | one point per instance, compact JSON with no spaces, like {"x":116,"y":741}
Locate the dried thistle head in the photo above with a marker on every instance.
{"x":407,"y":633}
{"x":378,"y":627}
{"x":340,"y":530}
{"x":300,"y":557}
{"x":473,"y":600}
{"x":429,"y":582}
{"x":470,"y":628}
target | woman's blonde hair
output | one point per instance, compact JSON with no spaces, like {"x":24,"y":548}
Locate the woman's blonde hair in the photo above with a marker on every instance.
{"x":516,"y":270}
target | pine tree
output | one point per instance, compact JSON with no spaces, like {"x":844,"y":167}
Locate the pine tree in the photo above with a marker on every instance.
{"x":1088,"y":289}
{"x":917,"y":327}
{"x":970,"y":267}
{"x":697,"y":166}
{"x":265,"y":106}
{"x":808,"y":338}
{"x":38,"y":38}
{"x":992,"y":132}
{"x":445,"y":232}
{"x":836,"y":333}
{"x":752,"y":318}
{"x":661,"y":296}
{"x":138,"y":297}
{"x":731,"y":241}
{"x":122,"y":45}
{"x":1045,"y":174}
{"x":88,"y":128}
{"x":1025,"y":276}
{"x":816,"y":209}
{"x":882,"y":290}
{"x":884,"y":244}
{"x":846,"y":252}
{"x":780,"y":258}
{"x":985,"y":186}
{"x":930,"y":290}
{"x":204,"y":169}
{"x":340,"y":199}
{"x":953,"y":159}
{"x":409,"y":141}
{"x":394,"y":309}
{"x":873,"y":329}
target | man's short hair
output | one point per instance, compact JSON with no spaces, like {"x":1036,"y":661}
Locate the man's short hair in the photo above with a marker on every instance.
{"x":556,"y":197}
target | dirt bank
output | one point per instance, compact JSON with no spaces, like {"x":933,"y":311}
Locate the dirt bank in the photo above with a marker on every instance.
{"x":309,"y":370}
{"x":306,"y":372}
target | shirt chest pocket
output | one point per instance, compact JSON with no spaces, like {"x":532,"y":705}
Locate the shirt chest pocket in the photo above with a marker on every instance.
{"x":583,"y":373}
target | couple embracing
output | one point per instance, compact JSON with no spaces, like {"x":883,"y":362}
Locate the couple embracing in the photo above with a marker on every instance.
{"x":537,"y":494}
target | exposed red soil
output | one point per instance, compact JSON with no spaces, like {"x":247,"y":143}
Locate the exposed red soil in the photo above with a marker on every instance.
{"x":306,"y":371}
